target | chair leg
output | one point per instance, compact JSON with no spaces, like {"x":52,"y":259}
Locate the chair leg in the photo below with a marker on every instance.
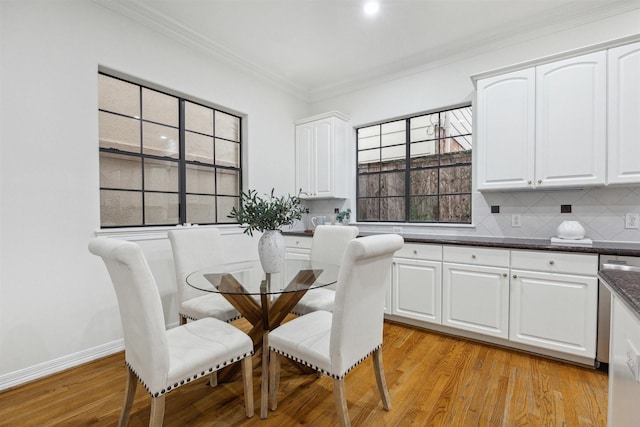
{"x":183,"y":320}
{"x":274,"y":379}
{"x":129,"y":394}
{"x":264,"y":386}
{"x":213,"y":379}
{"x":382,"y":383}
{"x":247,"y":381}
{"x":340,"y":395}
{"x":157,"y":411}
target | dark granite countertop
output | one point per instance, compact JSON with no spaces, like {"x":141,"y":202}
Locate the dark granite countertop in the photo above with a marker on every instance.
{"x":625,"y":284}
{"x":604,"y":248}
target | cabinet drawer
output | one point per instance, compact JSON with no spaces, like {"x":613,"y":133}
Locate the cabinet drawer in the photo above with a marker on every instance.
{"x":420,"y":251}
{"x":555,"y":262}
{"x":476,"y":256}
{"x":297,"y":242}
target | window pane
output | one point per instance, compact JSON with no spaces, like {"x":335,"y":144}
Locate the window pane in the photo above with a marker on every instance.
{"x":120,"y":208}
{"x":227,"y":126}
{"x":455,"y":180}
{"x":225,"y":204}
{"x":392,"y":184}
{"x":366,"y":142}
{"x":393,"y":133}
{"x":201,"y":209}
{"x":424,"y":209}
{"x":198,"y":148}
{"x":159,"y":107}
{"x":160,"y":140}
{"x":201,"y":179}
{"x":394,"y":157}
{"x":369,"y":185}
{"x":118,"y":96}
{"x":160,"y":175}
{"x":457,"y":122}
{"x":119,"y":132}
{"x":424,"y":182}
{"x":198,"y":118}
{"x":161,"y":209}
{"x":424,"y":127}
{"x":118,"y":171}
{"x":455,"y":208}
{"x":392,"y":209}
{"x":368,"y":209}
{"x":228,"y":182}
{"x":454,"y":152}
{"x":369,"y":156}
{"x":227,"y":153}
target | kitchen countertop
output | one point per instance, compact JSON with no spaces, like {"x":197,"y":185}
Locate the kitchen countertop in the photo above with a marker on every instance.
{"x":604,"y":248}
{"x":625,"y":284}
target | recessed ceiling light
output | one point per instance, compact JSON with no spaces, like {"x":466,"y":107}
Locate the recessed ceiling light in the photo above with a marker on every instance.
{"x":371,"y":7}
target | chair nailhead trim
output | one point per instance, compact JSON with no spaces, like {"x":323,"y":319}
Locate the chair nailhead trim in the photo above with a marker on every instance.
{"x":194,"y":318}
{"x":335,"y":376}
{"x":182,"y":382}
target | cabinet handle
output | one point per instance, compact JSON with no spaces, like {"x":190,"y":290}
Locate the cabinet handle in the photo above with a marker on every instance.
{"x":539,"y":181}
{"x":529,"y":182}
{"x":552,"y":262}
{"x":504,"y":274}
{"x":473,"y":257}
{"x":515,"y":276}
{"x":415,"y":252}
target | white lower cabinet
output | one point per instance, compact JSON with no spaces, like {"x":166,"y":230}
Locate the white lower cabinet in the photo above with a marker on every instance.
{"x":475,"y":290}
{"x":417,"y":289}
{"x":416,"y":283}
{"x":554,"y":302}
{"x":295,"y":248}
{"x":624,"y":366}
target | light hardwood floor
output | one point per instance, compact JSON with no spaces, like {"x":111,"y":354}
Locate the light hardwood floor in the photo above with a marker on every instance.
{"x":433,"y":380}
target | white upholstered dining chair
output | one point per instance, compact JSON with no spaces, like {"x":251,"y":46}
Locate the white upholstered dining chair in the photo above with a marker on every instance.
{"x":162,"y":359}
{"x":334,"y":343}
{"x":327,"y":246}
{"x":194,"y":249}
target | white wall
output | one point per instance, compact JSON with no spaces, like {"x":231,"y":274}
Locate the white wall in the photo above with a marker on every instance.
{"x":447,"y":83}
{"x":57,"y":306}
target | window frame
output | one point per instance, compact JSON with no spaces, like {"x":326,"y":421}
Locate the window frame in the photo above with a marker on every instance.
{"x":408,"y":168}
{"x":181,"y":160}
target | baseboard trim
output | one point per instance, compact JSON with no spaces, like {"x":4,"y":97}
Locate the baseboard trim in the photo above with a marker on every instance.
{"x":60,"y":364}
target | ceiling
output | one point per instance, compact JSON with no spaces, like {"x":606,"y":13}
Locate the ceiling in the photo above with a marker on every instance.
{"x":319,"y":47}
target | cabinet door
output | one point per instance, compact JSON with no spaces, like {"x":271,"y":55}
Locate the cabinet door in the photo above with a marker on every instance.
{"x":323,"y":157}
{"x":505,"y":117}
{"x":554,"y":311}
{"x":476,"y":298}
{"x":417,"y":289}
{"x":304,"y":158}
{"x":624,"y":114}
{"x":571,"y":121}
{"x":624,"y":379}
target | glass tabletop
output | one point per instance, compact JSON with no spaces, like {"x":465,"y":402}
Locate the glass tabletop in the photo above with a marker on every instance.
{"x":249,"y":279}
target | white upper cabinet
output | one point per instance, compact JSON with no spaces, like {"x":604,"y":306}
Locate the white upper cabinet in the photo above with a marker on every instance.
{"x":321,"y":156}
{"x":505,"y":117}
{"x":544,"y":126}
{"x":624,"y":114}
{"x":571,"y":111}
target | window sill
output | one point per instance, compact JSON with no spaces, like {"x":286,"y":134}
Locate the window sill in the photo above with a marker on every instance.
{"x":159,"y":233}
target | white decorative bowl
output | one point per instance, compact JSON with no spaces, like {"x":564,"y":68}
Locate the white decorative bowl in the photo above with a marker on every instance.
{"x":571,"y":230}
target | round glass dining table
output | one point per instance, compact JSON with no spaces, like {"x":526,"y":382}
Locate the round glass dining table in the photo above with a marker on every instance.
{"x":264,"y":302}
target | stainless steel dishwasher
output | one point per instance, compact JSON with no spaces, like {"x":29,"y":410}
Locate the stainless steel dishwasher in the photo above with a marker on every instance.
{"x":616,"y":262}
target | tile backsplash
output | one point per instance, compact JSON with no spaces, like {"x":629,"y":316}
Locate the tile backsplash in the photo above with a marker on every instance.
{"x":600,"y":210}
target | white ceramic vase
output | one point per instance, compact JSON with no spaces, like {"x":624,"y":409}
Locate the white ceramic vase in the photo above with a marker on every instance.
{"x":571,"y":230}
{"x":271,"y":251}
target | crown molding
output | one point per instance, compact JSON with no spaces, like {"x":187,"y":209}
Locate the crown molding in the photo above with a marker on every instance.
{"x":455,"y":52}
{"x":564,"y":18}
{"x":171,"y":28}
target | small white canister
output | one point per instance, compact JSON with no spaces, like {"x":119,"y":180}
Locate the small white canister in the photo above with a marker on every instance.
{"x":570,"y":230}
